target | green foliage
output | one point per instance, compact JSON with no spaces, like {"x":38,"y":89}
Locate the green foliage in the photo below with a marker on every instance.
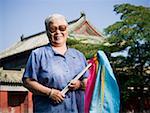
{"x":132,"y":32}
{"x":89,"y":50}
{"x":134,"y":24}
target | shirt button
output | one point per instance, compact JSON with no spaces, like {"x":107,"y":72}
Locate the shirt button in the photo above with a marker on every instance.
{"x":68,"y":96}
{"x":72,"y":110}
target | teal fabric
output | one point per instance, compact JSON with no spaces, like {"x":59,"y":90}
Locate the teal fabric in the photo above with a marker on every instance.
{"x":111,"y":103}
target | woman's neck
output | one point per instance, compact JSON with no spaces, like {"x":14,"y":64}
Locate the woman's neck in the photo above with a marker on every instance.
{"x":60,"y":49}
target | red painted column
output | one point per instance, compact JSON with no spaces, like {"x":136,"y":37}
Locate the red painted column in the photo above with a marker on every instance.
{"x":22,"y":108}
{"x":30,"y":103}
{"x":4,"y":102}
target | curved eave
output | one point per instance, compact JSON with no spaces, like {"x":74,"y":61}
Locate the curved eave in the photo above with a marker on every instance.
{"x":25,"y":45}
{"x":12,"y":88}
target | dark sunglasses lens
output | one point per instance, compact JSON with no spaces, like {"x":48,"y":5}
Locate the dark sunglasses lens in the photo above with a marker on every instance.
{"x":62,"y":28}
{"x":53,"y":29}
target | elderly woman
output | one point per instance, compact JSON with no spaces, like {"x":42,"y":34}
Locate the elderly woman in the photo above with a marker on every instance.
{"x":50,"y":68}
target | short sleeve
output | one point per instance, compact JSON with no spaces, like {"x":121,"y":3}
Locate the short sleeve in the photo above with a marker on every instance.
{"x":32,"y":67}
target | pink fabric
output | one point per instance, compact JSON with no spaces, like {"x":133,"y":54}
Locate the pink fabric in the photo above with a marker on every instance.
{"x":90,"y":85}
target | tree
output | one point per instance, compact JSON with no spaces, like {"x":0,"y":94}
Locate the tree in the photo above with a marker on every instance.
{"x":131,"y":33}
{"x":89,"y":50}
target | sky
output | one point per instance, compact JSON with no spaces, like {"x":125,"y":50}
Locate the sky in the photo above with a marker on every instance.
{"x":27,"y":17}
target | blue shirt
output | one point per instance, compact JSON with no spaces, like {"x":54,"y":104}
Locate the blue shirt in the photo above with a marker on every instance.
{"x":55,"y":71}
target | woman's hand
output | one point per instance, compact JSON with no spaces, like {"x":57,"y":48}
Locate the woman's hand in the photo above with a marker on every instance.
{"x":75,"y":84}
{"x":56,"y":96}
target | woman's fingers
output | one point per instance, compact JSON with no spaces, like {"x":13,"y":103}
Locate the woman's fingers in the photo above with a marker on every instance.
{"x":75,"y":84}
{"x":57,"y":97}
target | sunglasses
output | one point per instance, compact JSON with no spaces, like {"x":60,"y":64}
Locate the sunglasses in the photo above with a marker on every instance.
{"x":53,"y":29}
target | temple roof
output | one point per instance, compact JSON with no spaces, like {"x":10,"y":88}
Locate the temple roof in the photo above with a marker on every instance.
{"x":78,"y":28}
{"x":10,"y":76}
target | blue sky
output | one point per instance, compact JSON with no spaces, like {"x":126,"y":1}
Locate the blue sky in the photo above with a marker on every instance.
{"x":27,"y":17}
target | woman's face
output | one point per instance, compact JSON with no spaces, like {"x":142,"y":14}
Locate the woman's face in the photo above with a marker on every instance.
{"x":58,"y":30}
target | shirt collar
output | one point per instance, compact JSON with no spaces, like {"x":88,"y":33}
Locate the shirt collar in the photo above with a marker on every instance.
{"x":69,"y":52}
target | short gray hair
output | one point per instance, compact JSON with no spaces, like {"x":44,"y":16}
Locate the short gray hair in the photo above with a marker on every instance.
{"x":53,"y":17}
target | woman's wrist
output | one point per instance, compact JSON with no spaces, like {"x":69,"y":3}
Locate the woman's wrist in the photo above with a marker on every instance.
{"x":82,"y":86}
{"x":50,"y":93}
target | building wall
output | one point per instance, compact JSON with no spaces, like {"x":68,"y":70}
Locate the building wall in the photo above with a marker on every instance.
{"x":15,"y":62}
{"x":3,"y":102}
{"x":16,"y":102}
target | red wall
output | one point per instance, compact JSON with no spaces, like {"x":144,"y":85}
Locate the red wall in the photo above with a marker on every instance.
{"x":16,"y":102}
{"x":3,"y":102}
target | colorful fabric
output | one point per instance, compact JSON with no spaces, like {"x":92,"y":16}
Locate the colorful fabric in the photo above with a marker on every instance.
{"x":91,"y":82}
{"x":102,"y":92}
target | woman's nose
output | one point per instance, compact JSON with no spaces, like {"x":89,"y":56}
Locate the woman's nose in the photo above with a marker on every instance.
{"x":58,"y":31}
